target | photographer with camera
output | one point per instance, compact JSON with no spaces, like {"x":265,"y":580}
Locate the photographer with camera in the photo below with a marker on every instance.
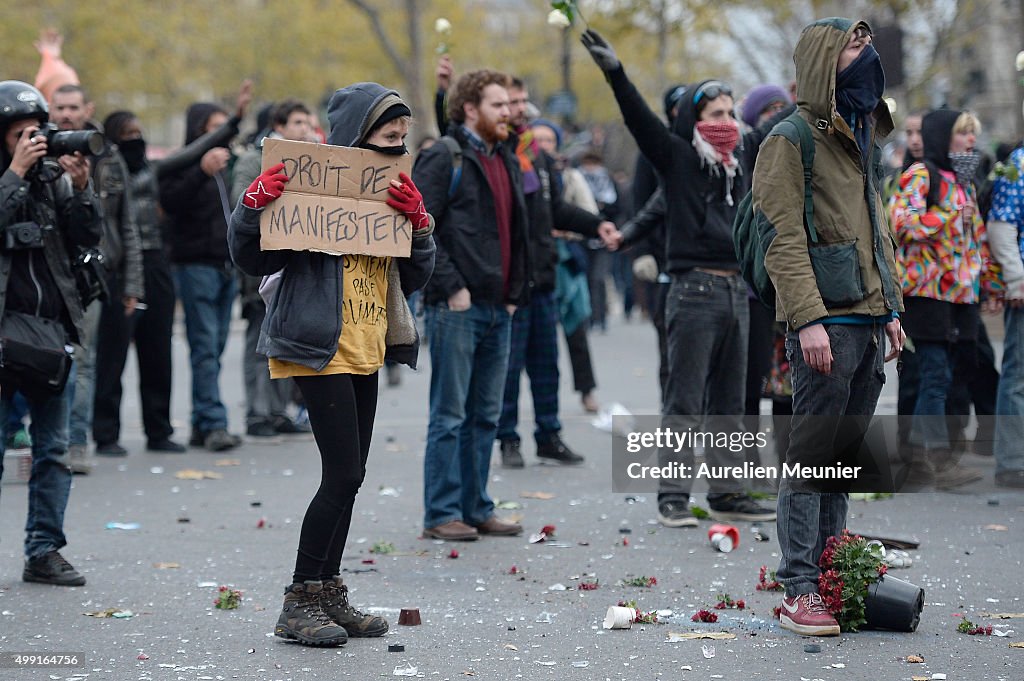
{"x":110,"y":279}
{"x":44,"y":215}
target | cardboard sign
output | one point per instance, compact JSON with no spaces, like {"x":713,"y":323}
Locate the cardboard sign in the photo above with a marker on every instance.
{"x":334,"y":201}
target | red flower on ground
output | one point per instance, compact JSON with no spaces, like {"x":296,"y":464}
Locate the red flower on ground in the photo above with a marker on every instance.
{"x":704,"y":616}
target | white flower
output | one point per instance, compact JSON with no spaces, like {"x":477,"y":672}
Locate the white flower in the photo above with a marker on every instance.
{"x":1020,"y":60}
{"x":442,"y":26}
{"x":557,"y":18}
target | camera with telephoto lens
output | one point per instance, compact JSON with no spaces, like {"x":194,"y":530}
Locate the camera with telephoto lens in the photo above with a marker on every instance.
{"x":24,"y":235}
{"x":63,"y":142}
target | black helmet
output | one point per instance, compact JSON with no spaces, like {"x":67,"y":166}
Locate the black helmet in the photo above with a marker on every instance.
{"x":19,"y":101}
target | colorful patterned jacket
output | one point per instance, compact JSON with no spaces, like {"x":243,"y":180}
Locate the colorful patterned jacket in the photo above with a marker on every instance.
{"x":939,"y":256}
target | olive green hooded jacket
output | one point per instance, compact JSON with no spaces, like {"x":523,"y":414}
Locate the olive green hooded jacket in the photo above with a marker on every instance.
{"x":855,"y":254}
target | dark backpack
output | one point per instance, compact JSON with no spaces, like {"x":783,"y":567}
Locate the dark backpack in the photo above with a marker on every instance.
{"x":752,"y":233}
{"x":455,"y":150}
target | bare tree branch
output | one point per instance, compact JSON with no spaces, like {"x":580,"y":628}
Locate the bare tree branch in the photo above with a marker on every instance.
{"x":378,"y":28}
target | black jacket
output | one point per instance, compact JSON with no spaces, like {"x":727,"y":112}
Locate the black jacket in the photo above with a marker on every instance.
{"x":197,"y":204}
{"x":121,"y":245}
{"x":548,"y":210}
{"x":40,"y":281}
{"x":466,"y":233}
{"x":699,"y":207}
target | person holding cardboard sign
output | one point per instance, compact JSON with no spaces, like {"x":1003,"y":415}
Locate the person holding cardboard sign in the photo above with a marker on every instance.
{"x":335,"y":365}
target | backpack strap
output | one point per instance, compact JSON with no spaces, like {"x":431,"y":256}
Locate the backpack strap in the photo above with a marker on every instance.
{"x":455,"y":149}
{"x":798,"y":131}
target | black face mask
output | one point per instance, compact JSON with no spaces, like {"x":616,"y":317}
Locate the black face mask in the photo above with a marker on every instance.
{"x":393,"y":151}
{"x":134,"y":152}
{"x":860,"y":85}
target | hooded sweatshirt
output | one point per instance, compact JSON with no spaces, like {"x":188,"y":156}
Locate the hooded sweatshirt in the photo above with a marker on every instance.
{"x":848,"y":210}
{"x":197,"y":204}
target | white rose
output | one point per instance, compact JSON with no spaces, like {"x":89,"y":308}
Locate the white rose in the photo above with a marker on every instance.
{"x":558,"y":18}
{"x":443,"y":26}
{"x":1020,"y":60}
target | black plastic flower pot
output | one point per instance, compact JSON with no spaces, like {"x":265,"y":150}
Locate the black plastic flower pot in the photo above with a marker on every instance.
{"x":893,"y":604}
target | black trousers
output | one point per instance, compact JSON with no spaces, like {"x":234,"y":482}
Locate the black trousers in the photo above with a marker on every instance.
{"x":151,"y":330}
{"x":341,"y":409}
{"x":579,"y":357}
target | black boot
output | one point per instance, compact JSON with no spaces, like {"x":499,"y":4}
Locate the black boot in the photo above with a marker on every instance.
{"x":556,"y":450}
{"x":303,"y":619}
{"x":511,"y":455}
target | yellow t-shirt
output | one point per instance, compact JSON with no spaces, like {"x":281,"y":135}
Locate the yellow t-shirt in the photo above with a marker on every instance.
{"x":364,"y":321}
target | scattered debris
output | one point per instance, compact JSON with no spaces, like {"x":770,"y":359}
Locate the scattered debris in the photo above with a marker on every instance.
{"x":812,"y":648}
{"x":409,"y":617}
{"x":726,"y":601}
{"x":766,"y":580}
{"x":227,"y":599}
{"x":996,"y":528}
{"x":396,"y":648}
{"x":508,"y":505}
{"x":388,"y":492}
{"x":382,"y":547}
{"x":123,"y":526}
{"x":915,"y":659}
{"x":1018,"y":644}
{"x":192,"y":474}
{"x":545,"y":663}
{"x":536,"y":495}
{"x":709,"y":651}
{"x":116,"y":613}
{"x":227,"y":462}
{"x":1003,"y":615}
{"x":544,"y":618}
{"x":514,"y":570}
{"x":638,"y":614}
{"x":968,"y":627}
{"x":509,"y":646}
{"x":142,"y":656}
{"x":453,"y":554}
{"x":261,"y":523}
{"x":558,"y":587}
{"x":580,"y":664}
{"x":759,"y":534}
{"x":619,"y":617}
{"x":405,"y":670}
{"x":699,"y":513}
{"x":588,"y":586}
{"x":166,"y":566}
{"x":675,"y":637}
{"x":645,"y":582}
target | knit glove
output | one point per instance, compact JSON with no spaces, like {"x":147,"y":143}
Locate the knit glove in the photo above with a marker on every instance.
{"x":406,"y":199}
{"x":265,"y":188}
{"x":600,"y":50}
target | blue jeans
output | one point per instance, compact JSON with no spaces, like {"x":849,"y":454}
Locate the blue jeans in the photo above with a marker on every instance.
{"x":206,"y":294}
{"x":1009,"y":434}
{"x":707,"y":322}
{"x":468,"y":362}
{"x":50,"y":481}
{"x":935,"y":362}
{"x":83,"y":388}
{"x":829,"y":412}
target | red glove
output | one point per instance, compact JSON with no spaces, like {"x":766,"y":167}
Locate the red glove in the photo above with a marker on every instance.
{"x":265,"y":188}
{"x":406,"y":199}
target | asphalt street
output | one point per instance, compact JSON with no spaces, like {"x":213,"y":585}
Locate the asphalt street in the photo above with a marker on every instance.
{"x":480,"y":617}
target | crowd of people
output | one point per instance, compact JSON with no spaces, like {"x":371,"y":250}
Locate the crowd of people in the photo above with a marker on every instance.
{"x":511,"y":239}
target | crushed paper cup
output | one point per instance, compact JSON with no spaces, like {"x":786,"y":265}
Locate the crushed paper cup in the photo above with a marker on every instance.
{"x":409,"y":617}
{"x":618,"y":617}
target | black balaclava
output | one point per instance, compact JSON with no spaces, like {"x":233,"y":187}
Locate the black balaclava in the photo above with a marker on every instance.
{"x":134,"y":150}
{"x":859,"y":88}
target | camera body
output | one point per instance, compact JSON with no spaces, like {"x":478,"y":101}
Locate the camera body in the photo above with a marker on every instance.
{"x":23,"y":236}
{"x":63,"y":142}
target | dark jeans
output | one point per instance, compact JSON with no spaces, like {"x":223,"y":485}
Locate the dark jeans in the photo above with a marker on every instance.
{"x":151,"y":330}
{"x":533,"y":346}
{"x":468,"y":365}
{"x":658,"y":298}
{"x":342,"y":408}
{"x":50,"y":483}
{"x":206,"y":294}
{"x":707,"y":323}
{"x":830,"y":414}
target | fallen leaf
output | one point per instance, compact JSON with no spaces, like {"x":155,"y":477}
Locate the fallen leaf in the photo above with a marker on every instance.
{"x":915,"y":659}
{"x":996,"y":528}
{"x":227,"y":462}
{"x":110,"y":612}
{"x":1018,"y":644}
{"x":1003,"y":615}
{"x":536,"y":495}
{"x":191,"y":474}
{"x":167,"y":566}
{"x":673,"y":637}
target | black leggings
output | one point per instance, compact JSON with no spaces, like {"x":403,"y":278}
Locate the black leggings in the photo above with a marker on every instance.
{"x":341,"y":412}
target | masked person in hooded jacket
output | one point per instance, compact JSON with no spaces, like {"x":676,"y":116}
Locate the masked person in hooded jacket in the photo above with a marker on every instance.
{"x":839,"y":298}
{"x":706,"y":310}
{"x":944,"y":258}
{"x":312,"y":333}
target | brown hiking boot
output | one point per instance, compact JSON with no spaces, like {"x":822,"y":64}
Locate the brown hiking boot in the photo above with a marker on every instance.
{"x":303,"y":620}
{"x":334,"y":601}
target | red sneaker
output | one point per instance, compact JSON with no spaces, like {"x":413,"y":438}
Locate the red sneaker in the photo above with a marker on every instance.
{"x":806,"y":615}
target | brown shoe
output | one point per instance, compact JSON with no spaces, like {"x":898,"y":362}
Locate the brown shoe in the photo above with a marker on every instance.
{"x":455,"y":530}
{"x":499,"y":528}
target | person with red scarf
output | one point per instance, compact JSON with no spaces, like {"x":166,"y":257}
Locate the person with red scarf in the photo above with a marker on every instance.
{"x":707,"y":310}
